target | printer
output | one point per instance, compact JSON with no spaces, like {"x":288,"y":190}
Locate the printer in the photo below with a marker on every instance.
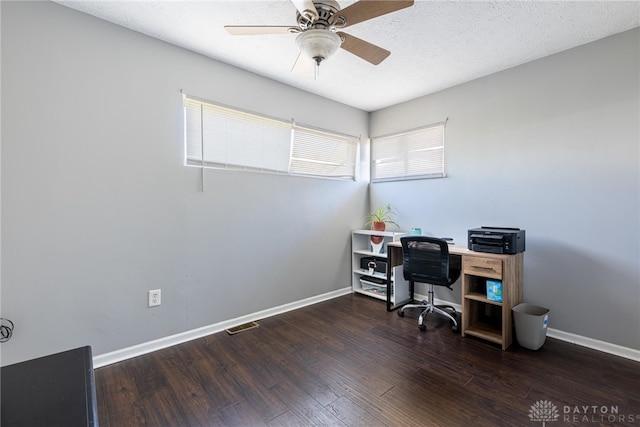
{"x":496,"y":240}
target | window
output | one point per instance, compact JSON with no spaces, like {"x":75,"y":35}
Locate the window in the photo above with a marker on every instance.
{"x":415,"y":154}
{"x":320,"y":153}
{"x":225,"y":138}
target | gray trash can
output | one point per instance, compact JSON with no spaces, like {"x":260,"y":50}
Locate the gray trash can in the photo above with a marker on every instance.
{"x":531,"y":325}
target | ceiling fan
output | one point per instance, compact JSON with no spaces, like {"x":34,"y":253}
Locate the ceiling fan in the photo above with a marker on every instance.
{"x":319,"y":22}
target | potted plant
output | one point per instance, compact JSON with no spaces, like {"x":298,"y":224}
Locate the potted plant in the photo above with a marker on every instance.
{"x":379,"y":218}
{"x":378,"y":221}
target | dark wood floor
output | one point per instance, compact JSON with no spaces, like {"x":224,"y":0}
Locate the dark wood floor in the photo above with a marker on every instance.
{"x":348,"y":362}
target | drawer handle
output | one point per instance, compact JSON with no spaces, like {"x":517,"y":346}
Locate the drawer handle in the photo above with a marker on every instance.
{"x":481,"y":267}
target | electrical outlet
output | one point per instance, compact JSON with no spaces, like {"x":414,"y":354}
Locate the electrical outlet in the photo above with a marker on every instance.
{"x":154,"y":297}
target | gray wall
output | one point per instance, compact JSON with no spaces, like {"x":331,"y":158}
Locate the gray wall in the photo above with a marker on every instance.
{"x":97,"y":207}
{"x":551,"y":147}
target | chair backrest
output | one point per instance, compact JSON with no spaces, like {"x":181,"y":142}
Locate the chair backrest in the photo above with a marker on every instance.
{"x":426,"y":260}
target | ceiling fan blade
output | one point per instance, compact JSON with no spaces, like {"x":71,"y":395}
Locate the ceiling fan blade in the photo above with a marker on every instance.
{"x":363,"y":49}
{"x":364,"y":10}
{"x":252,"y":30}
{"x":306,"y":8}
{"x":302,"y":64}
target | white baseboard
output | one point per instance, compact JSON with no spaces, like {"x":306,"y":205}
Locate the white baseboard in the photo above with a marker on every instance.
{"x":150,"y":346}
{"x":164,"y":342}
{"x":616,"y":350}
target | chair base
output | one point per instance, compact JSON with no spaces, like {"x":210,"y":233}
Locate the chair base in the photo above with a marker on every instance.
{"x":426,"y":307}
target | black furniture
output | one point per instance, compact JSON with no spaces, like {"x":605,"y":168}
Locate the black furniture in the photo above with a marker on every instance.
{"x":426,"y":260}
{"x":55,"y":390}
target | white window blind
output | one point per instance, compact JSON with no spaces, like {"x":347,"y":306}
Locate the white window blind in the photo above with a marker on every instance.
{"x":414,"y":154}
{"x":320,"y":153}
{"x":221,"y":137}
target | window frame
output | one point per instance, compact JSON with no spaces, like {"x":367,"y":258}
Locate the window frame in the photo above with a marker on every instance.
{"x":403,"y":145}
{"x":196,"y":144}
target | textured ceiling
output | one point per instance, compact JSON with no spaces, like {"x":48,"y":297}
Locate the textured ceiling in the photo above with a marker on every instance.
{"x":434,"y":44}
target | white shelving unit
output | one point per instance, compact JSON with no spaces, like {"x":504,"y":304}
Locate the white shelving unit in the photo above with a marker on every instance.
{"x":381,"y":285}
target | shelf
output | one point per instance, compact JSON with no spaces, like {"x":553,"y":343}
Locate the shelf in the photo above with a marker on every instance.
{"x":476,"y":296}
{"x":379,"y":233}
{"x":371,"y":294}
{"x":376,"y":274}
{"x":485,"y":331}
{"x":369,"y":253}
{"x":394,"y":288}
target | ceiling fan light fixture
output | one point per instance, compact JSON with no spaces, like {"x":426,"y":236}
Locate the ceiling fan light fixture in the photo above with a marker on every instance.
{"x":318,"y":44}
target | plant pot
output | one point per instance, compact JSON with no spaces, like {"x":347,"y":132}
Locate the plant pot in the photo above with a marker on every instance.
{"x":379,"y":226}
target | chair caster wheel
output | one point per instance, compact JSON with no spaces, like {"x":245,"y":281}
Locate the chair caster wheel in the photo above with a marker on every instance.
{"x":422,"y":327}
{"x":400,"y":313}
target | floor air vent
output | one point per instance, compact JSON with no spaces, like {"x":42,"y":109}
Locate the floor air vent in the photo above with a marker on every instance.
{"x":242,"y":328}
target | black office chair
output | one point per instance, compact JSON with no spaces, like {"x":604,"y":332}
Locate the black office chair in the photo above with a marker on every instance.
{"x":426,"y":260}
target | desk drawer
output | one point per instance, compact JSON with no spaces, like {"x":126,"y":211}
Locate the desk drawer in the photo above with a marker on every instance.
{"x":485,"y":267}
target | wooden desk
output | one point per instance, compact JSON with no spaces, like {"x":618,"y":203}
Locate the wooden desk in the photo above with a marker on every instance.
{"x":481,"y":317}
{"x":55,"y":390}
